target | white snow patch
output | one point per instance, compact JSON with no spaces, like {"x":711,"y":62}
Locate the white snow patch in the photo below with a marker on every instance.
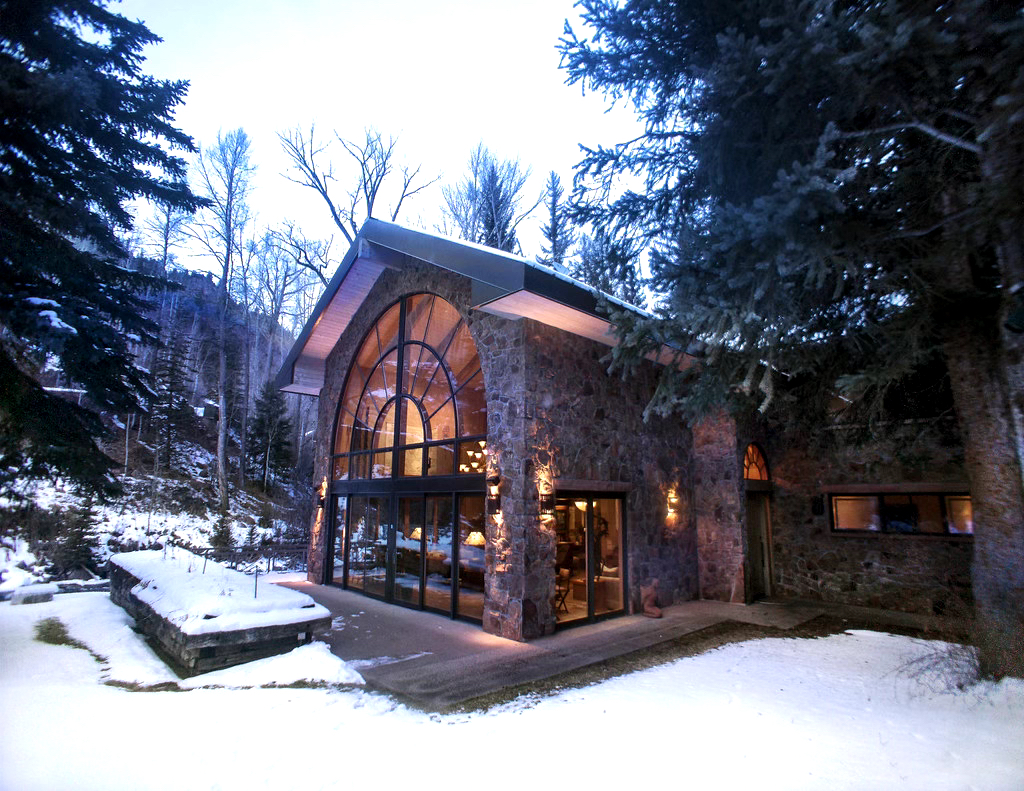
{"x":313,"y":662}
{"x":839,"y":713}
{"x":56,"y":322}
{"x":200,"y":596}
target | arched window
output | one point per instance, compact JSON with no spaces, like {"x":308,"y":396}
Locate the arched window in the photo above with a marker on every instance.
{"x":755,"y":468}
{"x":413,"y":403}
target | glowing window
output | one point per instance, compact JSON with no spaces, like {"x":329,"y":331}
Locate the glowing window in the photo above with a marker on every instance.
{"x":912,"y":513}
{"x":414,"y":396}
{"x":755,"y":468}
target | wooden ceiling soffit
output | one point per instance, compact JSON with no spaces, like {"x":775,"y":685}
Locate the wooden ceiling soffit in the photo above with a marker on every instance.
{"x":308,"y":371}
{"x":527,"y":305}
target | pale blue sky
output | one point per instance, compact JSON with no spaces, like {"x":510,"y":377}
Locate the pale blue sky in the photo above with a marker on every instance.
{"x":439,"y":75}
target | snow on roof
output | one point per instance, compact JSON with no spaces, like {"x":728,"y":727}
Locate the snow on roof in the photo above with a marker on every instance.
{"x":201,"y":596}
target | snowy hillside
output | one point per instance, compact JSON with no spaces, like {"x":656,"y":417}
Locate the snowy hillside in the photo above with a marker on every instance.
{"x":154,"y":512}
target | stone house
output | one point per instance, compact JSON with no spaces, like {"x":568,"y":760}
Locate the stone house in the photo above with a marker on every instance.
{"x":475,"y":458}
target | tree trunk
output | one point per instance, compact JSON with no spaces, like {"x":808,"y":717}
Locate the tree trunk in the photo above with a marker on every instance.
{"x":243,"y":438}
{"x":983,"y":396}
{"x":222,"y":403}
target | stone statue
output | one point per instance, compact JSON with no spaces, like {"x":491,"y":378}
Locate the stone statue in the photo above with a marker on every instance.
{"x":649,"y":599}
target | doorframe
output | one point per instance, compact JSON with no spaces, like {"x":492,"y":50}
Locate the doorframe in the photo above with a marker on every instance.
{"x":762,"y":494}
{"x":591,"y":495}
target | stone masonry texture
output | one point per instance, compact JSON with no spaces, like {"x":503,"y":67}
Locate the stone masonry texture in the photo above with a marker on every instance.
{"x":553,"y":413}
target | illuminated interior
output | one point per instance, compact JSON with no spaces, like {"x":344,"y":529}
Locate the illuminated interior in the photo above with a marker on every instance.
{"x":409,"y":462}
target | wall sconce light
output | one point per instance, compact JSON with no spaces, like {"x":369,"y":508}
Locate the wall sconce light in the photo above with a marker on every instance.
{"x":494,"y":493}
{"x":321,"y":494}
{"x":673,"y":502}
{"x":547,"y":503}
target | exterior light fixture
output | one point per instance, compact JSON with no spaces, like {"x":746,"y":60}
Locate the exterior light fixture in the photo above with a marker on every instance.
{"x":547,"y":503}
{"x":494,"y":493}
{"x":673,"y":502}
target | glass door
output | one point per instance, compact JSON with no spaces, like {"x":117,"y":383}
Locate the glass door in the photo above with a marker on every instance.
{"x":424,"y":550}
{"x":589,"y":573}
{"x":369,"y":527}
{"x":438,"y":527}
{"x":338,"y":534}
{"x":409,"y":551}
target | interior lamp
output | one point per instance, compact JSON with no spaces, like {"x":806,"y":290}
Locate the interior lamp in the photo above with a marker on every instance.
{"x":581,"y":505}
{"x":475,"y":539}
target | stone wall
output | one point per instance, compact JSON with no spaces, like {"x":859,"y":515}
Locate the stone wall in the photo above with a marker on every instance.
{"x":719,"y":506}
{"x":924,"y":574}
{"x":586,"y":428}
{"x":552,"y":413}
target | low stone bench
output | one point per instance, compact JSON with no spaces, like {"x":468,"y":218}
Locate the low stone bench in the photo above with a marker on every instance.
{"x":203,"y":616}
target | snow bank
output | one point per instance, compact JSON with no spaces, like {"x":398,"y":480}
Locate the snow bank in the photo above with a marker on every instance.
{"x":200,"y":596}
{"x":18,"y":566}
{"x":839,"y":713}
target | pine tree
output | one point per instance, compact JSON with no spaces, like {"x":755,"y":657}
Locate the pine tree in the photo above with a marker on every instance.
{"x":270,"y":446}
{"x":84,"y":133}
{"x":171,"y":414}
{"x":78,"y":543}
{"x":558,"y":229}
{"x":830,"y":181}
{"x":610,"y":265}
{"x":222,"y":537}
{"x":484,"y":206}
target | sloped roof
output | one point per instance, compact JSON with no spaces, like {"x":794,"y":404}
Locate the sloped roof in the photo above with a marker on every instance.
{"x":502,"y":284}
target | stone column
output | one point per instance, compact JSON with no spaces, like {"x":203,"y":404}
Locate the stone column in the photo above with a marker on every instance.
{"x":718,"y":487}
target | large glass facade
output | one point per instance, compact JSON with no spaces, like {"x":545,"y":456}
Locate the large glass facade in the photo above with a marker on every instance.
{"x":414,"y":401}
{"x":409,"y":462}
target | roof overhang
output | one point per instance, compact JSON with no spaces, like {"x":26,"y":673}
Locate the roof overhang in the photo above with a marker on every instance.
{"x":502,"y":284}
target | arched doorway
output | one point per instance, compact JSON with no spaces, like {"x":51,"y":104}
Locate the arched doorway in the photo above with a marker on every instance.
{"x":409,"y":524}
{"x":757,"y":481}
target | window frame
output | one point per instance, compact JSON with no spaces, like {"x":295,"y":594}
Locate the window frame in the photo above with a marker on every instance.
{"x":879,"y":496}
{"x":354,"y":459}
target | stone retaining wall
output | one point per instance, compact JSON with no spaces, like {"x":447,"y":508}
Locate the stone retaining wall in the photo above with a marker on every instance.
{"x":201,"y":653}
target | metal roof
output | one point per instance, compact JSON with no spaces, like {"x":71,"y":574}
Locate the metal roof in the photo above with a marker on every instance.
{"x":501,"y":284}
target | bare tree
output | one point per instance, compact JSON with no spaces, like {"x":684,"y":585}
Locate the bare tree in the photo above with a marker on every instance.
{"x":311,"y":254}
{"x":375,"y":160}
{"x":224,"y":174}
{"x":165,"y":229}
{"x":484,"y":206}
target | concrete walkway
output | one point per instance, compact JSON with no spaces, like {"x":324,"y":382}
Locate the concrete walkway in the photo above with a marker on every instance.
{"x":434,"y":662}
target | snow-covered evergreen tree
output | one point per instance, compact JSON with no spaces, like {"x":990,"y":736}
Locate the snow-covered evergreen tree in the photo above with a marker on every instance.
{"x":85,"y":131}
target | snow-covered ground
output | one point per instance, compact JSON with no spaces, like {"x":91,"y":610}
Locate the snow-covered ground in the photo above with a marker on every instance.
{"x":851,"y":711}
